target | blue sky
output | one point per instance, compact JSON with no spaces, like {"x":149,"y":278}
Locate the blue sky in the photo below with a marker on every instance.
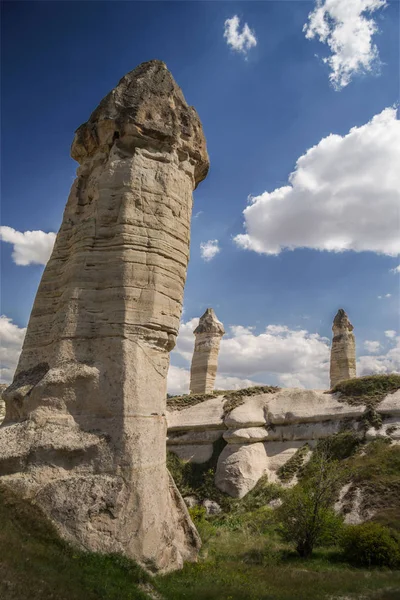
{"x":261,"y":110}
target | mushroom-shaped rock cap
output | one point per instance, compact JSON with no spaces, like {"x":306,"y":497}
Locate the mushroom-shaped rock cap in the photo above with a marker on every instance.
{"x":148,"y":109}
{"x":341,"y":321}
{"x":209,"y":323}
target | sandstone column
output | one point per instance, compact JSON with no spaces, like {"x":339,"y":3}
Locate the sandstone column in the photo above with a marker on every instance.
{"x":343,"y":351}
{"x":205,"y":356}
{"x":85,"y":426}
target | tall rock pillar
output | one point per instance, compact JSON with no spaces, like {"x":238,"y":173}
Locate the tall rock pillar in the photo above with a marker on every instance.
{"x":205,"y":356}
{"x":85,"y":427}
{"x":343,"y":351}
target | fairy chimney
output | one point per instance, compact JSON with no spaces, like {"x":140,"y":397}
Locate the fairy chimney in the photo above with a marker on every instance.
{"x":205,"y":356}
{"x":85,"y":414}
{"x":343,"y":351}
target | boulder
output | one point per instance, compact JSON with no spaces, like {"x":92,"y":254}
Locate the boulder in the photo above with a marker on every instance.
{"x":247,"y":435}
{"x":240,"y":467}
{"x":212,"y":507}
{"x":251,"y":413}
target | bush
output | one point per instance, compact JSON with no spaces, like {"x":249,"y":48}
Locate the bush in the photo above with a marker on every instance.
{"x":306,"y":515}
{"x":371,"y":544}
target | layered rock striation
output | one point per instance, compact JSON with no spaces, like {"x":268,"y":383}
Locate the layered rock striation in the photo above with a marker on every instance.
{"x":85,"y":425}
{"x":203,"y":370}
{"x":343,"y":351}
{"x":266,"y":430}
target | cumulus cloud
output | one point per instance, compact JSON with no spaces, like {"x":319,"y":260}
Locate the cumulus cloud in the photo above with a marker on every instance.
{"x":372,"y":346}
{"x":240,"y":41}
{"x":209,"y":250}
{"x":330,"y":202}
{"x":179,"y":380}
{"x":385,"y":296}
{"x":294,"y":357}
{"x":390,"y":333}
{"x":395,"y":270}
{"x":383,"y":363}
{"x":29,"y":247}
{"x":347,"y":28}
{"x":11,"y":340}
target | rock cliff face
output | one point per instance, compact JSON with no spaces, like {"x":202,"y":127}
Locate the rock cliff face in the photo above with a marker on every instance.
{"x":204,"y":366}
{"x":267,"y":429}
{"x":85,"y":423}
{"x":343,"y":351}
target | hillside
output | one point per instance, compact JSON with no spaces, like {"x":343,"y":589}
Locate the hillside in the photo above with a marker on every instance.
{"x":243,"y":555}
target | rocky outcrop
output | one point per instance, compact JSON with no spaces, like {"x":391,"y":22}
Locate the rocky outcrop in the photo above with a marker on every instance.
{"x":85,"y":423}
{"x":266,"y":430}
{"x":204,"y":365}
{"x":3,"y":386}
{"x":343,"y":351}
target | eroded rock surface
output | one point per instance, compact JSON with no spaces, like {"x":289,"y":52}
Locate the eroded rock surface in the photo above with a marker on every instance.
{"x":203,"y":370}
{"x":85,"y":423}
{"x":343,"y":351}
{"x":266,"y":430}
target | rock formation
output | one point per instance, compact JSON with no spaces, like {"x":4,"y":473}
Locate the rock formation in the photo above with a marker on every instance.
{"x":343,"y":351}
{"x":85,"y":425}
{"x":3,"y":386}
{"x":268,"y":429}
{"x":203,"y":370}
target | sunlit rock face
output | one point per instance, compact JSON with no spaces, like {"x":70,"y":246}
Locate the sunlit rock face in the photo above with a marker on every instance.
{"x":343,"y":351}
{"x":264,"y":431}
{"x":85,"y":423}
{"x":204,"y":365}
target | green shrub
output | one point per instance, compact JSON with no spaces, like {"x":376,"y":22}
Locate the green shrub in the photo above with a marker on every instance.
{"x":371,"y":544}
{"x":306,"y":516}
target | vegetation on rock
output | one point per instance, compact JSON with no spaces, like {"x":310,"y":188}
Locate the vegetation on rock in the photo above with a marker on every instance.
{"x":369,"y":390}
{"x":287,"y":471}
{"x":237,"y":397}
{"x":233,"y":397}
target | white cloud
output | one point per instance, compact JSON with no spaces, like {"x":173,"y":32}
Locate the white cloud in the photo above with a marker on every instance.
{"x":239,"y":41}
{"x":395,"y":270}
{"x":372,"y":346}
{"x":11,"y":340}
{"x":30,"y":247}
{"x":385,"y":296}
{"x":330,"y":202}
{"x":179,"y":380}
{"x":293,"y":357}
{"x":209,"y":249}
{"x":381,"y":364}
{"x":347,"y":28}
{"x":390,"y":333}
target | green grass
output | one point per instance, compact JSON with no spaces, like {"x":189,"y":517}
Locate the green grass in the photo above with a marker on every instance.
{"x":369,"y":390}
{"x":243,"y":559}
{"x":36,"y":565}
